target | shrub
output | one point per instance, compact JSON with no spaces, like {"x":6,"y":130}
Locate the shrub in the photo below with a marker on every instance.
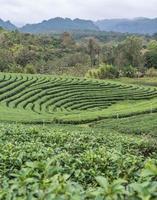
{"x":152,"y":72}
{"x":30,"y":69}
{"x":105,"y":71}
{"x":150,"y":59}
{"x":129,"y":71}
{"x":17,"y":69}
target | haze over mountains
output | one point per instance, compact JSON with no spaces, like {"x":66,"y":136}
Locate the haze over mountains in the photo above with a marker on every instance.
{"x":60,"y":24}
{"x":7,"y":25}
{"x":137,"y":25}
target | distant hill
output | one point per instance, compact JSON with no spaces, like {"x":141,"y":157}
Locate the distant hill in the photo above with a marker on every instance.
{"x":137,"y":25}
{"x":59,"y":25}
{"x":7,"y":25}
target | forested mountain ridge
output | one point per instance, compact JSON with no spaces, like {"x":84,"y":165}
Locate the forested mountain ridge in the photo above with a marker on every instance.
{"x":7,"y":25}
{"x":59,"y":24}
{"x":137,"y":25}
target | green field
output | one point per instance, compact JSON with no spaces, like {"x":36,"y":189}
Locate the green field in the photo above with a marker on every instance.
{"x":38,"y":99}
{"x":65,"y":138}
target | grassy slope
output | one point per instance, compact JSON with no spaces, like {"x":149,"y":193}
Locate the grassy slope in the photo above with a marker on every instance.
{"x":146,"y":81}
{"x":120,"y":109}
{"x":112,"y":148}
{"x":145,"y":124}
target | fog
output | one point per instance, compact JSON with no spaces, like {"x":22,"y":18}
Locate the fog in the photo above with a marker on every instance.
{"x":24,"y":11}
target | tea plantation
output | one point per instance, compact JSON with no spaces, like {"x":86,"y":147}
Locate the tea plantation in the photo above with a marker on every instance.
{"x":77,"y":139}
{"x":29,"y":98}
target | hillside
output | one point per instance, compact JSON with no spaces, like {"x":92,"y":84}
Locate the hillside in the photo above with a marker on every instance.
{"x":78,"y":138}
{"x":34,"y":98}
{"x":72,"y":137}
{"x":59,"y":25}
{"x":7,"y":25}
{"x":137,"y":25}
{"x":64,"y":53}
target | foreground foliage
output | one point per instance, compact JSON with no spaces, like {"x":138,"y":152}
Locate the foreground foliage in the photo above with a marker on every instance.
{"x":66,"y":162}
{"x":41,"y":180}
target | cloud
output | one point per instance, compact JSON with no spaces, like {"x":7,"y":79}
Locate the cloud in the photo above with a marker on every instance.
{"x":25,"y":11}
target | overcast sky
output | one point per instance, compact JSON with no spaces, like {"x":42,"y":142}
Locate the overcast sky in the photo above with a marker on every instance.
{"x":32,"y":11}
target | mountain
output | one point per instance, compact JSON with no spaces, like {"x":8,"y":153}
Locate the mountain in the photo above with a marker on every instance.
{"x":7,"y":25}
{"x":59,"y":25}
{"x":137,"y":25}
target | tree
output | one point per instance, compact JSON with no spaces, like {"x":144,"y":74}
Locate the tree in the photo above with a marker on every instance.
{"x":129,"y":52}
{"x":26,"y":56}
{"x":108,"y":54}
{"x":67,"y":40}
{"x":150,"y":59}
{"x":6,"y":60}
{"x":155,"y":36}
{"x":152,"y":46}
{"x":150,"y":56}
{"x":94,"y":52}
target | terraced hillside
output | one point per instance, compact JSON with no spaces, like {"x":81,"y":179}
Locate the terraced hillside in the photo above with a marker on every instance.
{"x":36,"y":98}
{"x":114,"y":156}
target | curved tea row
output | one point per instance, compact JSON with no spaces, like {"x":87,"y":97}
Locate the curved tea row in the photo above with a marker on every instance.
{"x":45,"y":94}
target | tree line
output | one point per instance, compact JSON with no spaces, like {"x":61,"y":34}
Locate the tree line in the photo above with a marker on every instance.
{"x":65,"y":53}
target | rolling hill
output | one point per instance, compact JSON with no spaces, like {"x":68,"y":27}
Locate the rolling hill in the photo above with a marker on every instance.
{"x":137,"y":25}
{"x":34,"y":98}
{"x":7,"y":25}
{"x":59,"y":25}
{"x":79,"y":138}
